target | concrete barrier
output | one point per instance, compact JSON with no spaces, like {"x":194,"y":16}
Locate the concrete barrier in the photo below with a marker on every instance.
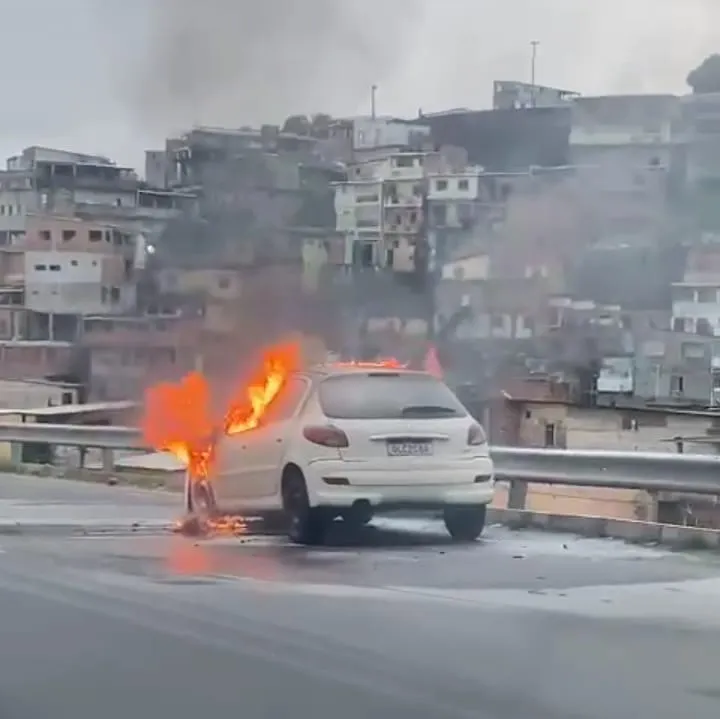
{"x":637,"y":532}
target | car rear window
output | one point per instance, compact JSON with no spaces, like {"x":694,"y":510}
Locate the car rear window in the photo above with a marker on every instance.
{"x":388,"y":396}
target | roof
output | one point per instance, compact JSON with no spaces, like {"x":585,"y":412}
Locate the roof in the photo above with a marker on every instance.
{"x":347,"y":368}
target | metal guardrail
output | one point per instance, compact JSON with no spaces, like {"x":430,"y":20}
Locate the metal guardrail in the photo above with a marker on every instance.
{"x":95,"y":437}
{"x":642,"y":471}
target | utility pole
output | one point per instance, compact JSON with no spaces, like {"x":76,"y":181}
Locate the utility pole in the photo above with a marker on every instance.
{"x":533,"y":57}
{"x":373,"y":91}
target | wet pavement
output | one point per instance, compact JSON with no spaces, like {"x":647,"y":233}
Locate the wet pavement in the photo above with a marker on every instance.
{"x":393,"y":622}
{"x":29,"y":502}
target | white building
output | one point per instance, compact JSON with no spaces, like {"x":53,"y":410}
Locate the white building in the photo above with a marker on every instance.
{"x":381,"y":208}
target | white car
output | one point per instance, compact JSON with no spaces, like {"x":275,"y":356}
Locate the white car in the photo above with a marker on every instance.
{"x":352,"y":441}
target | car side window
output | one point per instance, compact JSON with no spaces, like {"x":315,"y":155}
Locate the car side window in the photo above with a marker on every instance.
{"x":287,"y":401}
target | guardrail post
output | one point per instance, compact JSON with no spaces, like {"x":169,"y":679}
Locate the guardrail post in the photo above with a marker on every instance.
{"x":108,"y":460}
{"x":517,"y":495}
{"x":16,"y":453}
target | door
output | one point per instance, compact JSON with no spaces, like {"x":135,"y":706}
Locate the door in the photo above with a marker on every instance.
{"x":249,"y":464}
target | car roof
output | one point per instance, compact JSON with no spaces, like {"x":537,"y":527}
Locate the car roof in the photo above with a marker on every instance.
{"x":334,"y":369}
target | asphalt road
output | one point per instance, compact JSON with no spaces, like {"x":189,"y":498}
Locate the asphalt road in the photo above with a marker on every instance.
{"x":395,"y":623}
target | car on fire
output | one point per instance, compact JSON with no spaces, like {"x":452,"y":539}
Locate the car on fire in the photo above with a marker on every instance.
{"x":350,"y":441}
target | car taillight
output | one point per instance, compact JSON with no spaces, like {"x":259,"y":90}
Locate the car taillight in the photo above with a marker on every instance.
{"x":476,"y":435}
{"x":326,"y":436}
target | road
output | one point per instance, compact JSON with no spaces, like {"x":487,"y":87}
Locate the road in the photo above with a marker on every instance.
{"x":396,"y":623}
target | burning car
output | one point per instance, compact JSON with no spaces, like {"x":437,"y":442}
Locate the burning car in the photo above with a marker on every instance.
{"x":338,"y":440}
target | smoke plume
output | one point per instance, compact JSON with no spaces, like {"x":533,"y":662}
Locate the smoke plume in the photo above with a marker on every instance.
{"x":235,"y":62}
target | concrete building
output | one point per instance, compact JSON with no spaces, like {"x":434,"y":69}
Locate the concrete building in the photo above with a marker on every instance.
{"x":701,"y":130}
{"x":512,"y":140}
{"x":127,"y":354}
{"x":511,"y":95}
{"x":68,"y":184}
{"x":71,"y":268}
{"x":361,"y":138}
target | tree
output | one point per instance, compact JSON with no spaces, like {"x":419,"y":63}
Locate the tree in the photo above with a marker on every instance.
{"x":705,"y":78}
{"x":298,"y":125}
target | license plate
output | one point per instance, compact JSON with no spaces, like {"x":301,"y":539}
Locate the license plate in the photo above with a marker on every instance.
{"x":409,"y":449}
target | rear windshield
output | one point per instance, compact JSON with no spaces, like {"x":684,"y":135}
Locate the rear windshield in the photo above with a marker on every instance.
{"x":388,"y":396}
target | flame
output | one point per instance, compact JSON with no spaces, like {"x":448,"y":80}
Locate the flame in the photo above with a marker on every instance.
{"x":178,"y":417}
{"x":246,"y":409}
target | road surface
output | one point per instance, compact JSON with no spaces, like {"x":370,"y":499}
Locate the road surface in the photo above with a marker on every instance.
{"x":397,"y":623}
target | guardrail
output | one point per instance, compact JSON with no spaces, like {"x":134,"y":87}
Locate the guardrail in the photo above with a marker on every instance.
{"x":642,"y":471}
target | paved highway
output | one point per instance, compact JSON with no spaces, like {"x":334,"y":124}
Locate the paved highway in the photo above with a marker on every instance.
{"x":396,"y":623}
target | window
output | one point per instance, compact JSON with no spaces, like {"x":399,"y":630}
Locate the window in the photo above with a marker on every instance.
{"x":498,"y":322}
{"x":388,"y":396}
{"x":40,"y":268}
{"x":223,"y":283}
{"x":707,"y":295}
{"x":693,"y":350}
{"x":683,"y":294}
{"x":55,"y":268}
{"x":550,"y":434}
{"x":463,"y":185}
{"x":68,"y":235}
{"x":677,"y":384}
{"x":115,"y":294}
{"x":703,"y":327}
{"x":287,"y":402}
{"x":74,"y":263}
{"x":678,"y":324}
{"x":441,"y":185}
{"x":2,"y":209}
{"x":95,"y":235}
{"x":404,"y":161}
{"x":45,"y":235}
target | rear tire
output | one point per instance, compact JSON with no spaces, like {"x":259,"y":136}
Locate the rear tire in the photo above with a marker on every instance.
{"x":465,"y":524}
{"x":306,"y":525}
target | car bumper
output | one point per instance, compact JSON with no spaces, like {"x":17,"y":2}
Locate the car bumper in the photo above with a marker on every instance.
{"x":468,"y":483}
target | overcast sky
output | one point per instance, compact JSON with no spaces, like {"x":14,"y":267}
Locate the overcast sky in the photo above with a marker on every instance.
{"x":116,"y":76}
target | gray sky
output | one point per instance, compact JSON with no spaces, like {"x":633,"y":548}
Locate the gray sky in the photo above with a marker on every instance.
{"x":115,"y":76}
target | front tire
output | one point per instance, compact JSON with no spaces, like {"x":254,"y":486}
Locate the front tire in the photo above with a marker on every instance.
{"x":199,"y":498}
{"x":306,"y":525}
{"x":465,"y":524}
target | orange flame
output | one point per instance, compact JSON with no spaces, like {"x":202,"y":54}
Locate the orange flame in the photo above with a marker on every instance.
{"x":178,"y":417}
{"x":247,"y":409}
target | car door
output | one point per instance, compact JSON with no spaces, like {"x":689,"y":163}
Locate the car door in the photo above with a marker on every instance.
{"x":251,"y":461}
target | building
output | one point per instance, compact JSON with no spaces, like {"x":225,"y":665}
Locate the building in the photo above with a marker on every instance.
{"x":129,"y":353}
{"x":361,"y":138}
{"x":510,"y":95}
{"x":505,"y":140}
{"x":72,"y":268}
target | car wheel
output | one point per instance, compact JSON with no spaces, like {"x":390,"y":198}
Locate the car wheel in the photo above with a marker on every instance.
{"x":306,"y":524}
{"x":199,"y":498}
{"x":465,"y":524}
